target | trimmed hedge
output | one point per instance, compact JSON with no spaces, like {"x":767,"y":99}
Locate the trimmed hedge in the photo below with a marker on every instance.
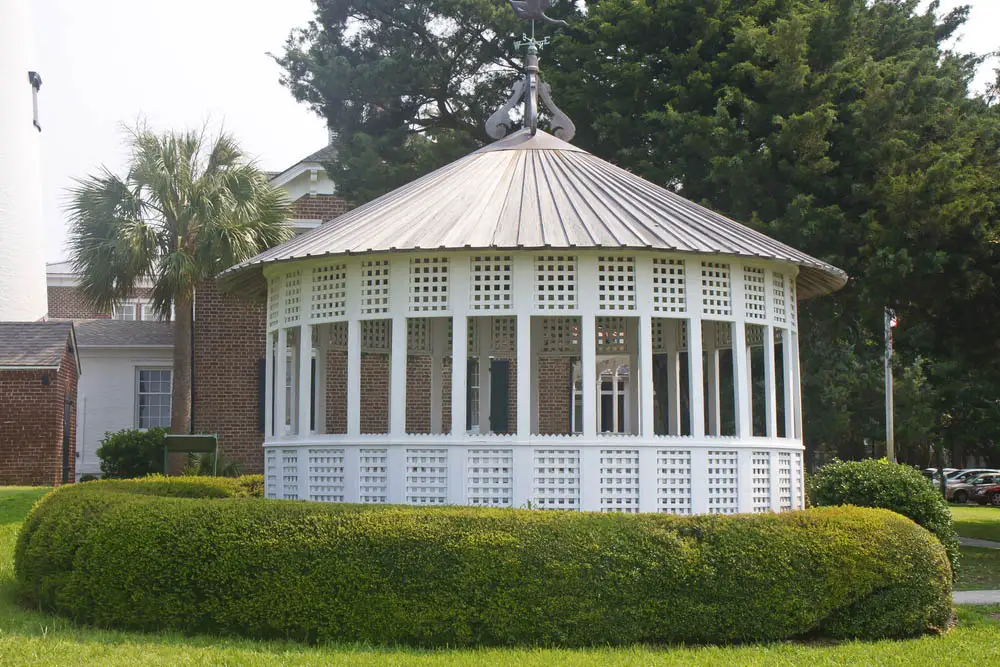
{"x":112,"y":554}
{"x":891,"y":486}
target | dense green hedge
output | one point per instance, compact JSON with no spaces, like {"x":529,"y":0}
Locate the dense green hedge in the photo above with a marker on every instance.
{"x":110,"y":554}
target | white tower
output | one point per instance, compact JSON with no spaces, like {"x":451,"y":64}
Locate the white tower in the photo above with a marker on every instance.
{"x":22,"y":225}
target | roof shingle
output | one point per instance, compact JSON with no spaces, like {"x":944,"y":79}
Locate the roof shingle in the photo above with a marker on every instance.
{"x":34,"y":344}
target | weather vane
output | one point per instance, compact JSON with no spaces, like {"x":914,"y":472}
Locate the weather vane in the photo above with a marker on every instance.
{"x":531,"y":87}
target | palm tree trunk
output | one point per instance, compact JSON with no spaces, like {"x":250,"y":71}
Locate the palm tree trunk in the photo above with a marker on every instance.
{"x":180,"y":401}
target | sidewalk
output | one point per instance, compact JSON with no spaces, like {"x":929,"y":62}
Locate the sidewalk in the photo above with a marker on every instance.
{"x":976,"y":597}
{"x":976,"y":542}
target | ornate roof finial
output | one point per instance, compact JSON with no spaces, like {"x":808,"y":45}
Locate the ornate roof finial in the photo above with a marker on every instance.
{"x":531,"y":87}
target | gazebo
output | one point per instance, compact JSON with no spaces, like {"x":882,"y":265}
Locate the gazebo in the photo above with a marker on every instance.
{"x":531,"y":326}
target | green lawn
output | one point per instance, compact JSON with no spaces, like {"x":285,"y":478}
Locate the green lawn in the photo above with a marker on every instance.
{"x":32,"y":638}
{"x":979,"y":569}
{"x":977,"y":521}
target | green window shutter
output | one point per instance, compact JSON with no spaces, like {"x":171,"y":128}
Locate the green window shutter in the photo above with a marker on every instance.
{"x":499,"y":395}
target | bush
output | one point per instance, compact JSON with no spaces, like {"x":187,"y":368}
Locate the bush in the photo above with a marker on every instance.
{"x":879,"y":483}
{"x":111,"y":554}
{"x":88,"y":478}
{"x":132,"y":453}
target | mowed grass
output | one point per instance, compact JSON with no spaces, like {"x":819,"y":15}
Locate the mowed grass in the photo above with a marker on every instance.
{"x":33,"y":638}
{"x":977,"y":521}
{"x":978,"y":570}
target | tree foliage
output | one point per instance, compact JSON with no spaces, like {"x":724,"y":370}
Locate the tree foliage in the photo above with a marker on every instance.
{"x":845,"y":128}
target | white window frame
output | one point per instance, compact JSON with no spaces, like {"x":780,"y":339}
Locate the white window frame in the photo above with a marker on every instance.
{"x":138,"y":372}
{"x":146,"y":308}
{"x":119,"y":311}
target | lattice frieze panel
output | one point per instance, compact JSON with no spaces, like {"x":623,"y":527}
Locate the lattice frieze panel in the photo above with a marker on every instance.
{"x":719,"y":336}
{"x":374,"y":286}
{"x":291,"y":294}
{"x":761,"y":477}
{"x":427,"y":476}
{"x":329,"y":292}
{"x":274,"y":303}
{"x":673,"y":481}
{"x":472,"y":336}
{"x":272,"y":485}
{"x":418,"y":340}
{"x":754,"y":293}
{"x":612,"y":335}
{"x":338,"y":336}
{"x":504,"y":334}
{"x":620,"y":480}
{"x":778,"y":297}
{"x":616,"y":283}
{"x":289,"y":474}
{"x":555,"y":282}
{"x":682,"y":336}
{"x":784,"y":481}
{"x":490,"y":478}
{"x":428,"y":284}
{"x":798,"y":493}
{"x":326,"y":475}
{"x":669,"y":290}
{"x":793,"y":303}
{"x":755,"y":335}
{"x":723,"y":482}
{"x":491,"y":286}
{"x":560,"y":336}
{"x":662,"y":327}
{"x":376,"y":336}
{"x":557,"y":479}
{"x":716,"y":289}
{"x":373,"y":476}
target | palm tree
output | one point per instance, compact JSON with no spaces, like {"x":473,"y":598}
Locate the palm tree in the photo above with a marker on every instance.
{"x":189,"y":207}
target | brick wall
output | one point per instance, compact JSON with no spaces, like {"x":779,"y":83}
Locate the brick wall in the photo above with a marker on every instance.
{"x":374,"y":392}
{"x":319,"y":207}
{"x":228,"y":345}
{"x":554,"y":377}
{"x":68,"y":302}
{"x":418,"y":393}
{"x":336,"y":391}
{"x":31,"y":424}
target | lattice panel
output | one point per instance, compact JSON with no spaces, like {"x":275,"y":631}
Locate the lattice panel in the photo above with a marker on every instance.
{"x":491,"y":283}
{"x":427,"y":476}
{"x":289,"y":474}
{"x":612,"y":336}
{"x":793,"y":303}
{"x":761,"y":481}
{"x":754,"y":293}
{"x":673,"y":481}
{"x":723,"y":336}
{"x":682,"y":336}
{"x":669,"y":290}
{"x":472,"y":337}
{"x":292,"y":297}
{"x":798,"y":496}
{"x":659,"y":329}
{"x":490,"y":479}
{"x":557,"y":479}
{"x":418,"y":340}
{"x":274,"y":303}
{"x":376,"y":336}
{"x":338,"y":336}
{"x":271,"y":482}
{"x":560,"y":336}
{"x":615,"y":283}
{"x":784,"y":481}
{"x":504,"y":334}
{"x":755,"y":335}
{"x":778,"y":297}
{"x":373,"y":476}
{"x":374,"y":286}
{"x":620,"y":480}
{"x":326,"y":475}
{"x":329,"y":292}
{"x":723,"y":482}
{"x":716,"y":289}
{"x":555,"y":282}
{"x":428,"y":284}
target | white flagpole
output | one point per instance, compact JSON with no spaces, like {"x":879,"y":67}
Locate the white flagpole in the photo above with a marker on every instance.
{"x":890,"y":447}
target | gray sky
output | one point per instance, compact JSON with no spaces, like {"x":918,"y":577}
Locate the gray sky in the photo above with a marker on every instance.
{"x":179,"y":63}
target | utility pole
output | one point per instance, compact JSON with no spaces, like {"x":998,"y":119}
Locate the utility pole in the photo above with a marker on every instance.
{"x":890,"y":324}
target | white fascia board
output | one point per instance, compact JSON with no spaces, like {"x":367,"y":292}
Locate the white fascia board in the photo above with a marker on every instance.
{"x":293,"y":172}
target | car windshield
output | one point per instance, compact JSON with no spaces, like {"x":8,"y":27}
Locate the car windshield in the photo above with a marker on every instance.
{"x":985,"y":479}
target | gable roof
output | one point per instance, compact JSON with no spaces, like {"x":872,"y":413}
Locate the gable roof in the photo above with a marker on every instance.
{"x":36,"y":344}
{"x":311,"y":161}
{"x":120,"y":333}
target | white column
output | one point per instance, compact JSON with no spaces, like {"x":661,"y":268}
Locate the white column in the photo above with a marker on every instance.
{"x":304,"y":401}
{"x":353,"y":347}
{"x":692,"y":283}
{"x":741,"y":384}
{"x":587,"y":294}
{"x":524,"y":290}
{"x":770,"y":383}
{"x":399,"y":305}
{"x":269,"y":341}
{"x":437,"y":334}
{"x":644,"y":301}
{"x":459,"y":286}
{"x":279,"y":383}
{"x":788,"y":371}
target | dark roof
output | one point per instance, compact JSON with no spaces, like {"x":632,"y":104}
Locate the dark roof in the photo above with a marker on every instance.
{"x":34,"y":344}
{"x":324,"y":154}
{"x":119,"y":333}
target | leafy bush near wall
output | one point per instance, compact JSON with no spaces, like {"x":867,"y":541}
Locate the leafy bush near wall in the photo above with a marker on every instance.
{"x":120,"y":554}
{"x":131,"y":453}
{"x":879,"y":483}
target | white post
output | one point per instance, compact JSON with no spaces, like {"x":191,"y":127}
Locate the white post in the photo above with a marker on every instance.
{"x":648,"y":406}
{"x":692,"y":280}
{"x":280,"y":379}
{"x":741,"y":366}
{"x":459,"y":284}
{"x":523,"y":287}
{"x":353,"y":347}
{"x":304,"y":397}
{"x":797,"y":386}
{"x":587,"y":295}
{"x":269,"y":385}
{"x":770,"y":383}
{"x":399,"y":305}
{"x":673,"y":340}
{"x":788,"y":371}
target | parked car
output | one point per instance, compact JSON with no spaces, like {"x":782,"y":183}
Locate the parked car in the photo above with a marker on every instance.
{"x":962,"y":491}
{"x":987,"y":495}
{"x":967,"y":475}
{"x":932,"y":473}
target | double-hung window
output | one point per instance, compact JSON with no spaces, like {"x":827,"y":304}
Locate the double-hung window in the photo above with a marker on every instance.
{"x":124,"y":311}
{"x":153,"y":387}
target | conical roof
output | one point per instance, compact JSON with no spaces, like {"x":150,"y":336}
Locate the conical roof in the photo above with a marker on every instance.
{"x":535,"y":192}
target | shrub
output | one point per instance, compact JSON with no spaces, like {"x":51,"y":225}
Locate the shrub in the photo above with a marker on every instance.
{"x":131,"y":453}
{"x":891,"y":486}
{"x":88,"y":478}
{"x":111,"y":554}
